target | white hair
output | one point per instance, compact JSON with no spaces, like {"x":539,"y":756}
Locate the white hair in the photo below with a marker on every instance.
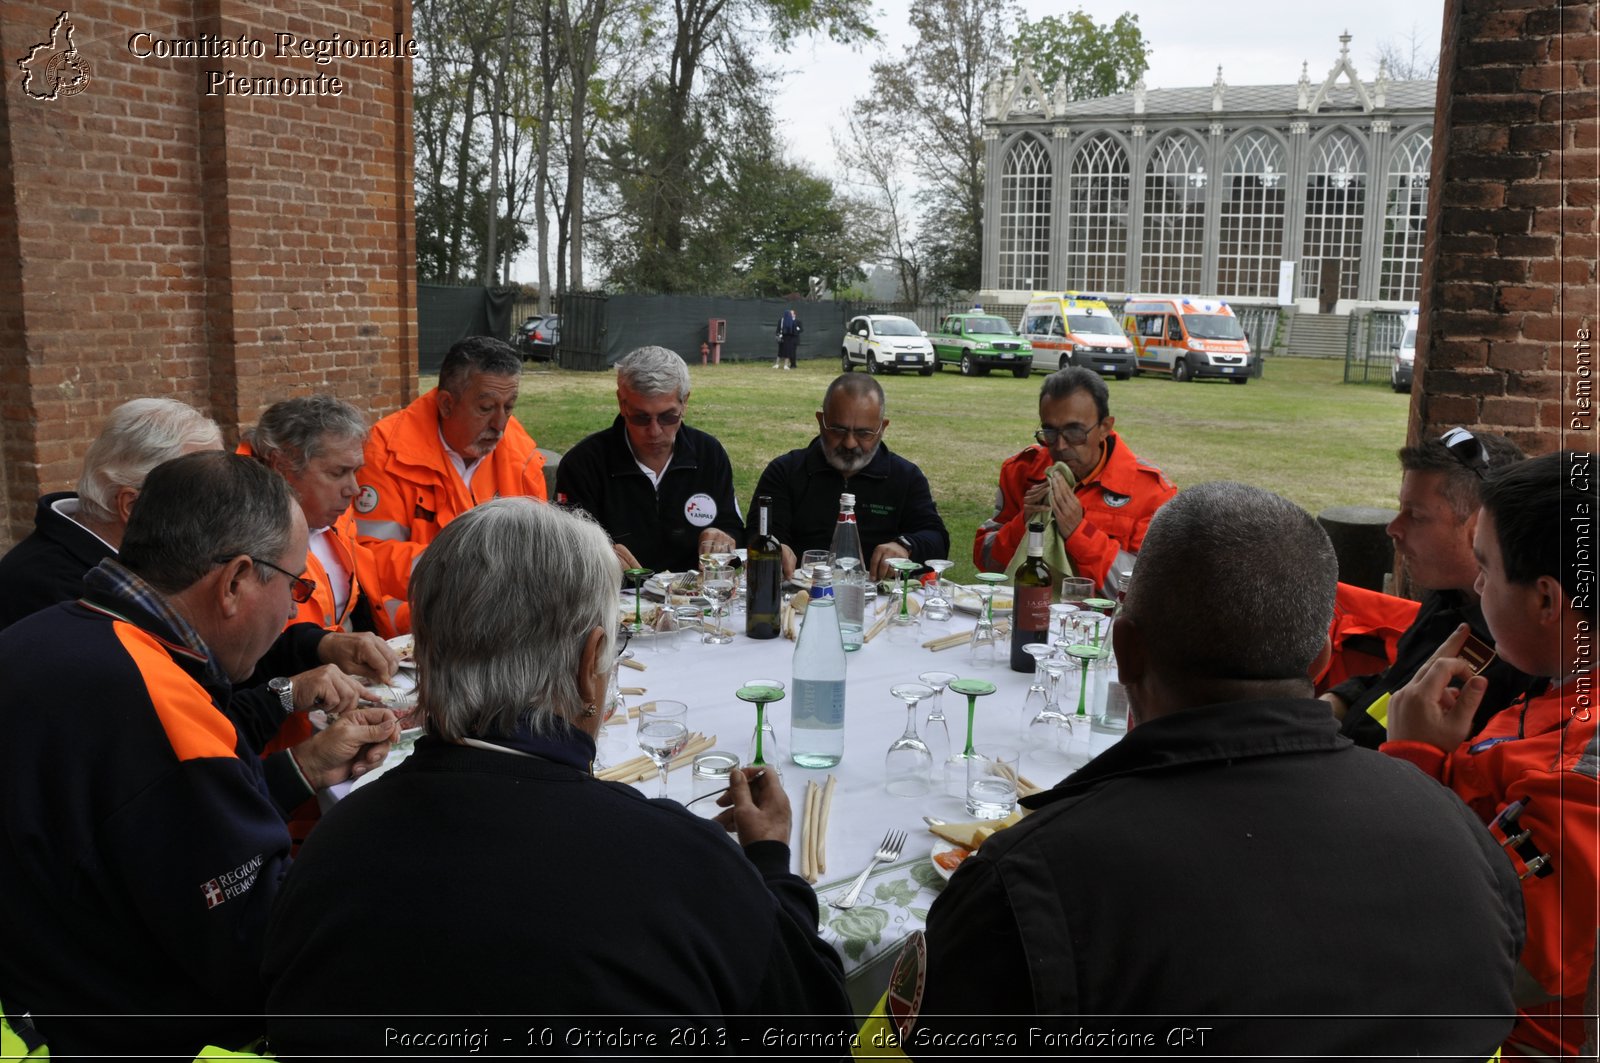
{"x":502,"y":603}
{"x":654,"y":371}
{"x":139,"y":435}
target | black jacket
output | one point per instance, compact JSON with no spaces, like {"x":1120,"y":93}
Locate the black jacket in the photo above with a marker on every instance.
{"x":1441,"y":613}
{"x":478,"y":882}
{"x":1240,"y":860}
{"x":48,"y":566}
{"x":600,"y":475}
{"x":892,"y":499}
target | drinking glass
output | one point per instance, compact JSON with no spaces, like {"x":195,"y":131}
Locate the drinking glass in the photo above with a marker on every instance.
{"x":764,"y":741}
{"x":992,"y":782}
{"x":811,"y":558}
{"x":1061,"y":615}
{"x":902,"y":621}
{"x":985,"y":640}
{"x":936,"y":606}
{"x":1044,"y":730}
{"x":908,"y":766}
{"x":637,"y":576}
{"x":663,"y":732}
{"x":716,"y":583}
{"x":972,"y":690}
{"x":1075,"y":589}
{"x":935,"y":726}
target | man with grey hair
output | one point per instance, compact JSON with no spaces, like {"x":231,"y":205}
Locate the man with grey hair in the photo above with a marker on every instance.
{"x":452,"y":448}
{"x":662,"y":489}
{"x":512,"y":699}
{"x":895,"y":511}
{"x":143,"y":839}
{"x":72,"y":532}
{"x":1224,"y":780}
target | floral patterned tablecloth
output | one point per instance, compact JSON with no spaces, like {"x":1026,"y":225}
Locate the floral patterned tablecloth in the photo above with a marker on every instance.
{"x":893,"y":904}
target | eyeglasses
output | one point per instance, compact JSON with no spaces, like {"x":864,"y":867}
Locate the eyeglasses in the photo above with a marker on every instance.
{"x":300,"y":588}
{"x":1075,"y":434}
{"x":665,"y":420}
{"x":866,"y":435}
{"x":1467,"y":449}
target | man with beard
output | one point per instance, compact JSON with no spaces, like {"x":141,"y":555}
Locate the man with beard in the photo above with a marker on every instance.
{"x":895,"y":511}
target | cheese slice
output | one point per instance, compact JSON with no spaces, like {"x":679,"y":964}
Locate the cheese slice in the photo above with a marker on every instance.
{"x":972,"y":834}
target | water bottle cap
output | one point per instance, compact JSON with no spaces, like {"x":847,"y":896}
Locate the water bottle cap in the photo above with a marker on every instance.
{"x":821,"y":574}
{"x":847,"y":499}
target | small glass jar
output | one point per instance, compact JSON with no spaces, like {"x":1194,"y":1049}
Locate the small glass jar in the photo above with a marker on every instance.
{"x":711,"y":771}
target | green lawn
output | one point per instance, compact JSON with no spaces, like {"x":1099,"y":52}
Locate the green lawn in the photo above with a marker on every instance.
{"x":1299,"y":430}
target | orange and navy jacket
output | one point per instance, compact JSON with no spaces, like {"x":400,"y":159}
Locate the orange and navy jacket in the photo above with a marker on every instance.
{"x":1118,"y":501}
{"x":140,"y":843}
{"x":410,"y":491}
{"x":1543,"y":752}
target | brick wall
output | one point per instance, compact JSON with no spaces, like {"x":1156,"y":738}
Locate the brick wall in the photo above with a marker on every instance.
{"x":1509,"y":276}
{"x":225,"y":249}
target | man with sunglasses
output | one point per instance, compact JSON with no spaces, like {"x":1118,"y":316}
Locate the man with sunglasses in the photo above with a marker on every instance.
{"x":1101,"y":519}
{"x":1440,"y":482}
{"x":143,"y":839}
{"x":661,"y":489}
{"x":895,"y":511}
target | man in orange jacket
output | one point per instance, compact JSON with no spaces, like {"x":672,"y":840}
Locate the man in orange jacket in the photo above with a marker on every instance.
{"x":1102,"y":519}
{"x":454,"y":447}
{"x":1531,"y":772}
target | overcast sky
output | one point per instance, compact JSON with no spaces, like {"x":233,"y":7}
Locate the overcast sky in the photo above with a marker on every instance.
{"x":1257,"y":42}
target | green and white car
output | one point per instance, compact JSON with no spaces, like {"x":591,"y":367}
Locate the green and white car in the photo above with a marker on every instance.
{"x":976,"y":343}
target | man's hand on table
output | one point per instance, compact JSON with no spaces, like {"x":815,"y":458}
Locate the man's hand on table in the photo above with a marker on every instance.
{"x":757,"y":809}
{"x":359,"y":653}
{"x":330,"y":689}
{"x":716,"y":541}
{"x":882,"y":556}
{"x":351,"y":746}
{"x":625,"y":556}
{"x":788,"y":562}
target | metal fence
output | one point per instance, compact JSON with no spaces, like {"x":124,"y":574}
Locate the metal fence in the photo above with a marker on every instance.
{"x":1374,"y":337}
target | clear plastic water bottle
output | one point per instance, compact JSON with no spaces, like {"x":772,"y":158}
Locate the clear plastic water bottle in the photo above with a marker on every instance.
{"x":850,"y":579}
{"x":816,"y":715}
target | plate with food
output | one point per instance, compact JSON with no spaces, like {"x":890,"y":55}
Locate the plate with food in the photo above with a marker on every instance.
{"x":947,"y":856}
{"x":966,"y":600}
{"x":399,"y":693}
{"x":405,"y":647}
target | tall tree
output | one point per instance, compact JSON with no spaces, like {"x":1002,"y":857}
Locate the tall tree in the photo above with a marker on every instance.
{"x":1095,"y":59}
{"x":930,"y":100}
{"x":879,"y":167}
{"x":789,"y":227}
{"x":1410,"y":59}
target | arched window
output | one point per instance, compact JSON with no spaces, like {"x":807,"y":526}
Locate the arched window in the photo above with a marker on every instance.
{"x":1336,"y":196}
{"x":1025,"y":190}
{"x":1174,"y":216}
{"x":1253,"y":205}
{"x":1405,"y":215}
{"x":1097,"y":211}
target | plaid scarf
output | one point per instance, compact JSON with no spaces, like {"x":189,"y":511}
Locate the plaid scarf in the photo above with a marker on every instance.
{"x":111,"y":585}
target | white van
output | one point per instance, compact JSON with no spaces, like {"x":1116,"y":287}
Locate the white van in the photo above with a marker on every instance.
{"x":1066,"y":328}
{"x":1188,"y":337}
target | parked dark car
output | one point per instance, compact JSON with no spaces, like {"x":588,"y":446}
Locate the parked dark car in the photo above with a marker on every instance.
{"x":538,"y":337}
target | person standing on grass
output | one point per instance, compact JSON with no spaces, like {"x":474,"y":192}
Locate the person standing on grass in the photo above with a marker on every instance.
{"x":788,"y":340}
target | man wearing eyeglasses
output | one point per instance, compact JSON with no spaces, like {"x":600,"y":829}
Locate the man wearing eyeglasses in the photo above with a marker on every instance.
{"x":895,"y":512}
{"x":144,"y":840}
{"x":1101,"y":519}
{"x":661,"y":489}
{"x":1440,"y":483}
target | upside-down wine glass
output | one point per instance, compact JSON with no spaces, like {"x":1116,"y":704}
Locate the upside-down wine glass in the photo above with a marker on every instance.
{"x":764,"y":744}
{"x":908,"y":766}
{"x":637,"y":576}
{"x":984,"y":638}
{"x":935,"y":726}
{"x":972,"y":690}
{"x":716,"y":583}
{"x":936,"y":606}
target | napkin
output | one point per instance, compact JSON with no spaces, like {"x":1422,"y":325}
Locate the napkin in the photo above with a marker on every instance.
{"x":1055,"y":545}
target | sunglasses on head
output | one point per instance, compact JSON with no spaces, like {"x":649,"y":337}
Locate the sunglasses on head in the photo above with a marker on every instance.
{"x":1467,"y":449}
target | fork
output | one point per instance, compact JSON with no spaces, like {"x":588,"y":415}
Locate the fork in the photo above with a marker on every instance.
{"x":893,"y":842}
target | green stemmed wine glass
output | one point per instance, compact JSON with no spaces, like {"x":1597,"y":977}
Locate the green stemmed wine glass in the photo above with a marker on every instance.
{"x":972,"y":690}
{"x":637,"y":576}
{"x":761,"y":693}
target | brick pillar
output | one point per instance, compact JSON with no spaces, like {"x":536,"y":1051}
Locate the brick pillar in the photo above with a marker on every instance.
{"x":1509,"y":278}
{"x":162,"y":233}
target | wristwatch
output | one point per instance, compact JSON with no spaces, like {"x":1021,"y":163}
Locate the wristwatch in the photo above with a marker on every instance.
{"x":905,"y":541}
{"x":284,"y":688}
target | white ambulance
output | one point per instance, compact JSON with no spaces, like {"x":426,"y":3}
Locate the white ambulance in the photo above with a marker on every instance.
{"x":1188,"y":337}
{"x":1067,"y":328}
